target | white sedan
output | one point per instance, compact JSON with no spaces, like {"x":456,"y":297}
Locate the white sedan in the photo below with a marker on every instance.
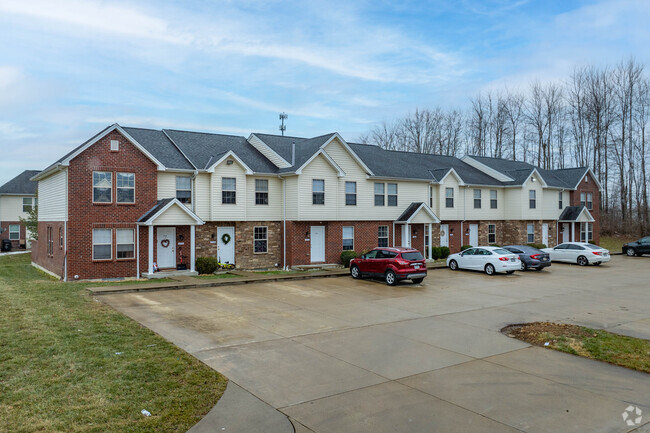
{"x":487,"y":259}
{"x":582,"y":253}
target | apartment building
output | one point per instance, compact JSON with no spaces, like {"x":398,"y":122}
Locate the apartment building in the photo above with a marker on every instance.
{"x":17,"y":199}
{"x":131,"y":201}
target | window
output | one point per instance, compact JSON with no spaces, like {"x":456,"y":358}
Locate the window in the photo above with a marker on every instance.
{"x":350,"y":193}
{"x":50,"y":242}
{"x":115,"y":145}
{"x":392,"y":194}
{"x":532,"y":199}
{"x":583,"y":199}
{"x":348,"y":238}
{"x":102,"y":244}
{"x":493,"y":199}
{"x":477,"y":199}
{"x":228,"y":190}
{"x":184,"y":189}
{"x":102,"y":187}
{"x":125,"y":243}
{"x":430,"y":196}
{"x":318,"y":191}
{"x":28,"y":204}
{"x":559,"y":200}
{"x":586,"y":232}
{"x":261,"y":191}
{"x":14,"y":232}
{"x":379,"y":194}
{"x":382,"y":236}
{"x":531,"y":233}
{"x":125,"y":188}
{"x":449,"y":197}
{"x":492,"y":234}
{"x":61,"y":237}
{"x":261,"y":240}
{"x":590,"y":201}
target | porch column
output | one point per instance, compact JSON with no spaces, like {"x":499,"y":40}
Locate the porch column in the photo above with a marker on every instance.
{"x":407,"y":235}
{"x":150,"y":249}
{"x":430,"y":241}
{"x":573,"y":231}
{"x":192,"y":247}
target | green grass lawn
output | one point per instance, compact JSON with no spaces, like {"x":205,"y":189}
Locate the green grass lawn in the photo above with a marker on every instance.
{"x":71,"y":364}
{"x":216,"y":276}
{"x":614,"y":243}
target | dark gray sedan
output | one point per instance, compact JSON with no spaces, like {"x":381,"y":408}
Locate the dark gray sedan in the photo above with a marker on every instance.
{"x":531,"y":258}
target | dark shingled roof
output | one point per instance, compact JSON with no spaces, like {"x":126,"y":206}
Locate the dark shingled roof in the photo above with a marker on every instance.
{"x":408,"y":213}
{"x":21,"y":184}
{"x":154,"y":210}
{"x":305,"y":148}
{"x":571,"y":176}
{"x":571,"y":213}
{"x":157,"y":144}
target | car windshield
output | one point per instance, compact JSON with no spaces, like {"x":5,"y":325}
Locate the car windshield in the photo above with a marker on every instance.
{"x":414,"y":255}
{"x":593,"y":247}
{"x":501,"y":251}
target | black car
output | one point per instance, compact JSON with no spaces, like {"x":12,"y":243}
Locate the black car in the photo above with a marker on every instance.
{"x":637,"y":248}
{"x":531,"y":258}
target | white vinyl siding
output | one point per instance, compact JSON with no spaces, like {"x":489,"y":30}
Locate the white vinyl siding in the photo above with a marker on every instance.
{"x":11,"y":208}
{"x":174,"y":216}
{"x":166,"y":185}
{"x":229,"y":212}
{"x":53,"y":197}
{"x":202,"y":198}
{"x":318,"y":169}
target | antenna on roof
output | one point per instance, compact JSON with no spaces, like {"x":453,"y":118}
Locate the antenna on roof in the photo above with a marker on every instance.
{"x":283,"y":127}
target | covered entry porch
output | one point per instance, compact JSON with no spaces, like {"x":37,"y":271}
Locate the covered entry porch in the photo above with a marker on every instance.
{"x":575,"y":224}
{"x":415,"y":228}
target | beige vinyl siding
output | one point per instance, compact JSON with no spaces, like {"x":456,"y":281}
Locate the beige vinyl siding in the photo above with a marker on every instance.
{"x":526,"y":212}
{"x":550,"y":204}
{"x":421,"y":218}
{"x":455,"y":213}
{"x":11,"y":208}
{"x":513,"y":203}
{"x":202,"y":199}
{"x":53,"y":197}
{"x":167,"y":184}
{"x":318,"y":168}
{"x":292,"y":197}
{"x":269,"y":153}
{"x":485,"y":212}
{"x":270,"y":212}
{"x":174,"y":216}
{"x":229,"y":212}
{"x":435,"y":199}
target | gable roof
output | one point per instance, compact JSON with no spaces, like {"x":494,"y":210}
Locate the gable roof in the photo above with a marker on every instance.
{"x":21,"y":184}
{"x":161,"y":206}
{"x":573,"y":213}
{"x":413,"y":209}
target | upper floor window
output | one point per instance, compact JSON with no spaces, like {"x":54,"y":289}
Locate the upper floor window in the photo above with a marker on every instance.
{"x":318,"y":191}
{"x":14,"y":232}
{"x":532,"y":199}
{"x":559,"y":200}
{"x":493,"y":199}
{"x":28,"y":204}
{"x":125,"y":188}
{"x":477,"y":199}
{"x":379,"y":194}
{"x":348,"y":238}
{"x":583,"y":199}
{"x":590,"y":201}
{"x":392,"y":194}
{"x":261,"y":191}
{"x":449,"y":197}
{"x":350,"y":193}
{"x":382,"y":236}
{"x":102,"y":187}
{"x":184,"y":189}
{"x":228,"y":190}
{"x":430,"y":196}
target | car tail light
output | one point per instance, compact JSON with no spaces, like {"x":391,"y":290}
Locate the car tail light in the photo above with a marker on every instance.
{"x":402,"y":263}
{"x":535,"y":256}
{"x":598,"y":253}
{"x":504,"y":259}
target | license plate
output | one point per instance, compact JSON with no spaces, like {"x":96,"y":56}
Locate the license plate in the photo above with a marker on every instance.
{"x":544,"y":258}
{"x":512,"y":259}
{"x":606,"y":255}
{"x":416,"y":266}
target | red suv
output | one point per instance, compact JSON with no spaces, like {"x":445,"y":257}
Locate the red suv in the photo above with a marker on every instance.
{"x":391,"y":264}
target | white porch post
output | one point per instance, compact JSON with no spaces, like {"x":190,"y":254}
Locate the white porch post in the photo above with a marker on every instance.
{"x":573,"y":232}
{"x":407,"y":235}
{"x":150,"y":249}
{"x":430,"y":241}
{"x":192,"y":247}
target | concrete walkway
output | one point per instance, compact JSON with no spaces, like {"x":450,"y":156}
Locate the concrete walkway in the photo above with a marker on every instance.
{"x":342,"y":355}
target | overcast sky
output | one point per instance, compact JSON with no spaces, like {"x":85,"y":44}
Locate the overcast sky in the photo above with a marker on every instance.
{"x":69,"y":68}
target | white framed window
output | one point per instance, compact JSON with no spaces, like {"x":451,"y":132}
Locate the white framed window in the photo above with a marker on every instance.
{"x":392,"y":194}
{"x":61,"y":237}
{"x":50,"y":241}
{"x":430,"y":196}
{"x":477,"y":199}
{"x":125,"y":187}
{"x":14,"y":232}
{"x":586,"y":232}
{"x":228,"y":190}
{"x":125,"y":243}
{"x":449,"y":197}
{"x":102,"y":187}
{"x":318,"y":191}
{"x":184,"y":189}
{"x":348,"y":238}
{"x":102,"y":244}
{"x":590,"y":201}
{"x":28,"y":204}
{"x":559,"y":200}
{"x":262,"y":191}
{"x":350,"y":193}
{"x":379,"y":194}
{"x":530,"y":231}
{"x":382,"y":236}
{"x":583,"y":199}
{"x":115,"y":145}
{"x":492,"y":234}
{"x":261,"y":240}
{"x":493,"y":199}
{"x":532,"y":199}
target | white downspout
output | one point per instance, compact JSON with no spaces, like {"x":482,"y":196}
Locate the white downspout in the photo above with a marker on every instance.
{"x":284,"y":223}
{"x":137,"y":251}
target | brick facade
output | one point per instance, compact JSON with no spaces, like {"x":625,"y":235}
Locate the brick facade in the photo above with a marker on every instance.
{"x":588,"y":185}
{"x":52,"y":262}
{"x":15,"y":243}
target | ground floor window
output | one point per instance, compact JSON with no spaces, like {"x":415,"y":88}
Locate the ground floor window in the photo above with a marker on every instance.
{"x":426,"y":244}
{"x":348,"y":238}
{"x":531,"y":233}
{"x":102,"y":244}
{"x":586,"y":232}
{"x":125,"y":243}
{"x":261,"y":240}
{"x":382,"y":236}
{"x":60,"y":237}
{"x":14,"y":232}
{"x":50,"y":242}
{"x":492,"y":234}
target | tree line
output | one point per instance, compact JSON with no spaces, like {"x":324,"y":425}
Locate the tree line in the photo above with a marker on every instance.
{"x":598,"y":118}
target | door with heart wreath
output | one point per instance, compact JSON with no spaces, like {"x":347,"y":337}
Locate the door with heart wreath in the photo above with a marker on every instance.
{"x":165,"y":247}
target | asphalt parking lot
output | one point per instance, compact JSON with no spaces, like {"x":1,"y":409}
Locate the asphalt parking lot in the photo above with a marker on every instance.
{"x":343,"y":355}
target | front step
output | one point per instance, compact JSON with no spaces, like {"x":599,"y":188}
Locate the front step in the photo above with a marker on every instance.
{"x":324,"y":266}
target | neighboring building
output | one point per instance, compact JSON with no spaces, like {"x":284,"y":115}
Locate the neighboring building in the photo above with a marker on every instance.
{"x":129,"y":200}
{"x":17,"y":198}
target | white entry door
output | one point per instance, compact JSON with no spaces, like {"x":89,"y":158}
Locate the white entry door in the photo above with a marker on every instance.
{"x":473,"y":235}
{"x":317,"y":244}
{"x":444,"y":235}
{"x":545,"y":234}
{"x":565,"y":232}
{"x":166,"y":249}
{"x":226,"y":250}
{"x":406,"y":235}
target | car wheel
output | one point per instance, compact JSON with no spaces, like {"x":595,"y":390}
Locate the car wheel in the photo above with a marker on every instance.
{"x":355,"y":272}
{"x":391,"y":278}
{"x":489,"y":269}
{"x":417,"y":280}
{"x":630,"y":252}
{"x":582,"y":261}
{"x":510,"y":272}
{"x":524,"y":266}
{"x":453,"y":265}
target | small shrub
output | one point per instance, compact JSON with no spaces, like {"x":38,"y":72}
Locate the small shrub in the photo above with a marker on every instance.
{"x":444,"y":252}
{"x":346,"y":256}
{"x":435,"y":253}
{"x":495,"y":245}
{"x":538,"y":246}
{"x":592,"y":242}
{"x":464,"y":247}
{"x":206,"y":265}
